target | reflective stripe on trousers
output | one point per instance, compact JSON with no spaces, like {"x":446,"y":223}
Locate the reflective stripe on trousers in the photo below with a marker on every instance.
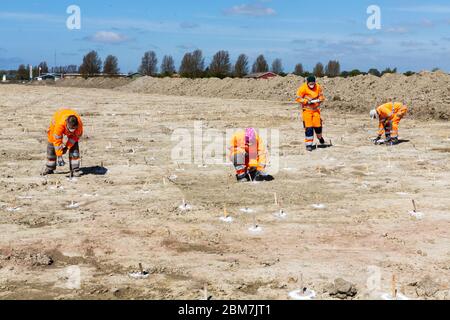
{"x":51,"y":156}
{"x":74,"y":156}
{"x":309,"y":136}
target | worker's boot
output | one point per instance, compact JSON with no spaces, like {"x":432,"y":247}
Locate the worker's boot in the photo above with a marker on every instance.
{"x":261,"y":176}
{"x":242,"y":177}
{"x":77,"y":173}
{"x":47,"y":171}
{"x":393,"y":141}
{"x":322,"y":141}
{"x":309,"y":148}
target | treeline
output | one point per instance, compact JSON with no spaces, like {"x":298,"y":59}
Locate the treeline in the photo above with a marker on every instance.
{"x":193,"y":66}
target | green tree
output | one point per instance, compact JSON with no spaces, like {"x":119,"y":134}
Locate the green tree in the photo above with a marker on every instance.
{"x":298,"y":70}
{"x":260,"y":65}
{"x":111,"y":65}
{"x":277,"y":66}
{"x":241,"y":66}
{"x":22,"y":73}
{"x":192,"y":65}
{"x":91,"y":65}
{"x":167,"y":66}
{"x":149,"y":64}
{"x":220,"y":65}
{"x":333,"y":68}
{"x":374,"y":72}
{"x":319,"y":70}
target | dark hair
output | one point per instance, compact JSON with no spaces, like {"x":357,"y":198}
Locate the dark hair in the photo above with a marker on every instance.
{"x":311,"y":79}
{"x":72,"y":122}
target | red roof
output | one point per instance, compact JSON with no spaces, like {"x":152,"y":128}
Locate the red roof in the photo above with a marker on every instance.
{"x":261,"y":75}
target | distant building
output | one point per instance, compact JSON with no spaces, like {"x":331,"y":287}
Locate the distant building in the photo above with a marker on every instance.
{"x":135,"y":75}
{"x":261,"y":75}
{"x":48,"y":76}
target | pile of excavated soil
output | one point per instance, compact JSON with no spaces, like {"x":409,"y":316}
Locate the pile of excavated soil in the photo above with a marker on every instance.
{"x":103,"y":83}
{"x":426,"y":94}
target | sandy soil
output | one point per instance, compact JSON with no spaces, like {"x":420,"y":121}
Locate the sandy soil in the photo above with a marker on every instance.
{"x":130,"y":215}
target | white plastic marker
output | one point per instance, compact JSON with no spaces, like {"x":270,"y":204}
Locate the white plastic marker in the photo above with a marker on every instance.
{"x":13,"y":209}
{"x":141,"y":274}
{"x":72,"y":205}
{"x":109,"y":146}
{"x":205,"y":292}
{"x":255,"y":228}
{"x":303,"y":294}
{"x":90,"y":195}
{"x":184,"y":206}
{"x":415,"y":213}
{"x":318,"y":206}
{"x":275,"y":198}
{"x":247,"y":210}
{"x":226,"y":217}
{"x":26,"y":197}
{"x":280,"y":214}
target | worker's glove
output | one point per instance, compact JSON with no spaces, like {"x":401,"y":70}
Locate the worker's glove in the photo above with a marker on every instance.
{"x":60,"y":162}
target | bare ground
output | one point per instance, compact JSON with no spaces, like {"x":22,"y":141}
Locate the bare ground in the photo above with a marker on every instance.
{"x":129,"y":215}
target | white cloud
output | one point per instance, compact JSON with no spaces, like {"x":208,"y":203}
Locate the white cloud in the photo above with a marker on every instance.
{"x":254,"y":10}
{"x":107,"y":37}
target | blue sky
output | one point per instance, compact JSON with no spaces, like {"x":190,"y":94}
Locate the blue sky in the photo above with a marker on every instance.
{"x":415,"y":35}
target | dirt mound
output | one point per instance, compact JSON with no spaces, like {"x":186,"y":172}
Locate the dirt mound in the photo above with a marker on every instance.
{"x":427,"y":94}
{"x":102,"y":83}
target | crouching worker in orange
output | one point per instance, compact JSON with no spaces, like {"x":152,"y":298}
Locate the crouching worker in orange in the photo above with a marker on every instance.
{"x":310,"y":96}
{"x":389,"y":116}
{"x":66,"y":123}
{"x":248,"y":154}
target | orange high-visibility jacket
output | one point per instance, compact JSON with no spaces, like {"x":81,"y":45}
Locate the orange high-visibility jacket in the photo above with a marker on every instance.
{"x":389,"y":111}
{"x":58,"y":129}
{"x":304,"y":93}
{"x":257,"y":153}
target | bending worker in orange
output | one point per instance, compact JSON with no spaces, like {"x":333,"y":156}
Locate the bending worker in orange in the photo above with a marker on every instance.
{"x":389,"y":116}
{"x":310,"y":96}
{"x":65,"y":122}
{"x":248,"y":154}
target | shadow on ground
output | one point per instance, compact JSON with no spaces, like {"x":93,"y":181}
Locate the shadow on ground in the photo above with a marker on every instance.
{"x":96,"y":170}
